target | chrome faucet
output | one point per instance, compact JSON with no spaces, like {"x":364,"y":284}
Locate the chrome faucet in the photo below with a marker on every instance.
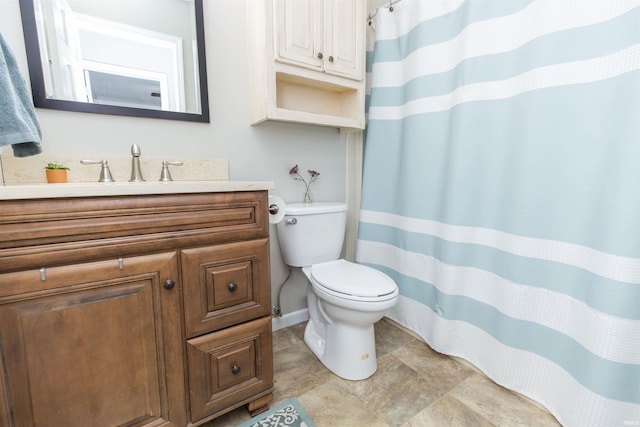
{"x":136,"y":173}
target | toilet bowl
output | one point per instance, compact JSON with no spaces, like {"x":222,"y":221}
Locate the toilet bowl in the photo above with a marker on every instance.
{"x":344,"y":299}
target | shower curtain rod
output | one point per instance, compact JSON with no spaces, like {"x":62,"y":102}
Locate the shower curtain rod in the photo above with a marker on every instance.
{"x":388,"y":5}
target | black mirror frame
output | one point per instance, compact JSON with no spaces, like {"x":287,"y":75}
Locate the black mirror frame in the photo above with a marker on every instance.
{"x":37,"y":78}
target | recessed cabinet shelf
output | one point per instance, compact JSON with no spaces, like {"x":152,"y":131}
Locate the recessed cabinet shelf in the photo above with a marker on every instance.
{"x":325,"y":100}
{"x":299,"y":71}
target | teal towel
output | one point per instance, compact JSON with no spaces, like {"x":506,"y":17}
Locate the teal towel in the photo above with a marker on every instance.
{"x":18,"y":122}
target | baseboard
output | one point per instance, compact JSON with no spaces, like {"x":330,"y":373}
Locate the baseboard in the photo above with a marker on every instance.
{"x":289,"y":319}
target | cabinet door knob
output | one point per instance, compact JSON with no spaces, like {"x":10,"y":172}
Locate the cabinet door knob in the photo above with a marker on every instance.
{"x":235,"y":369}
{"x":330,"y":58}
{"x":232,"y":287}
{"x":319,"y":55}
{"x":169,"y":284}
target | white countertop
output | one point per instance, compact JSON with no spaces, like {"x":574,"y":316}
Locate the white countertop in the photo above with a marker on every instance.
{"x":92,"y":189}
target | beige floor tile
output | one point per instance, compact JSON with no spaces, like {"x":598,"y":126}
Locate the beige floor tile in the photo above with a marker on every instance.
{"x":499,"y":405}
{"x":389,"y":337}
{"x":231,"y":419}
{"x":296,"y":371}
{"x":298,"y":330}
{"x":440,"y":370}
{"x":285,"y":339}
{"x":396,"y":392}
{"x":332,"y":405}
{"x":450,"y":412}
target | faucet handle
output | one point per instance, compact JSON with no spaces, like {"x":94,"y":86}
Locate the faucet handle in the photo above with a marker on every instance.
{"x":165,"y":176}
{"x":105,"y":173}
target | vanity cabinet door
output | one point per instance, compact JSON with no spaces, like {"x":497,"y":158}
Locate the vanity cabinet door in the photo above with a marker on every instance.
{"x":225,"y":285}
{"x":96,"y":344}
{"x":230,"y":368}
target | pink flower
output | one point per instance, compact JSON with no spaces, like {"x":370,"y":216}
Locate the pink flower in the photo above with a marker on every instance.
{"x":294,"y":171}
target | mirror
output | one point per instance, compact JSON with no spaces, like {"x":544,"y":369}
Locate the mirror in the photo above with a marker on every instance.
{"x":143,"y":58}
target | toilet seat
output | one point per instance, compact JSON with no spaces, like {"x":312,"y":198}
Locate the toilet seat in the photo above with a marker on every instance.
{"x":353,"y":281}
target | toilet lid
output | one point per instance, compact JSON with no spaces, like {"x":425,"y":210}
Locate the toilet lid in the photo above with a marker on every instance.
{"x":353,"y":279}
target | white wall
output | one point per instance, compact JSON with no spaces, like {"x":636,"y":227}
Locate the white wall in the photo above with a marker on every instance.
{"x":374,"y":4}
{"x":264,"y":152}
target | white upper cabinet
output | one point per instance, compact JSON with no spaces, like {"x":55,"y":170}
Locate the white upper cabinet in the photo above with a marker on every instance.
{"x":325,"y":35}
{"x":306,"y":61}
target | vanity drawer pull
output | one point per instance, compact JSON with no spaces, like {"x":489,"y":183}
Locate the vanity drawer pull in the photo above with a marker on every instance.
{"x":235,"y":369}
{"x":169,"y":284}
{"x":232,"y":287}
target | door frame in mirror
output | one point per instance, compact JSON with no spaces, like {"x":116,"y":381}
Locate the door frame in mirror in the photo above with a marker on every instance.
{"x":34,"y":60}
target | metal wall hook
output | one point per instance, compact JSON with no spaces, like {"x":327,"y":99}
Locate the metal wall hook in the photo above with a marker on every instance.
{"x":388,"y":6}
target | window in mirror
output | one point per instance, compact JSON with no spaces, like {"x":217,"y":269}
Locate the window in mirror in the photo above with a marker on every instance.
{"x":113,"y":89}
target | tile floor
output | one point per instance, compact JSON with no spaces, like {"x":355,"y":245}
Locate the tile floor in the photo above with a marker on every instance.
{"x":413,"y":386}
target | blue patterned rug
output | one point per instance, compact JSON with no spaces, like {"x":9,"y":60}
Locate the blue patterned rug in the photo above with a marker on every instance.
{"x":285,"y":414}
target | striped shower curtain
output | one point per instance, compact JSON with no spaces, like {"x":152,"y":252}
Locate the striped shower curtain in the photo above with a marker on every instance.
{"x":501,"y":191}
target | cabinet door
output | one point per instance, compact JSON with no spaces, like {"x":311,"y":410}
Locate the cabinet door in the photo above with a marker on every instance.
{"x":97,"y":344}
{"x":229,"y":368}
{"x":299,"y":32}
{"x":344,"y":23}
{"x":225,"y":285}
{"x":325,"y":35}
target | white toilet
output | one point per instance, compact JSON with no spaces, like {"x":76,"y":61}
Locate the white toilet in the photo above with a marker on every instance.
{"x":344,"y":299}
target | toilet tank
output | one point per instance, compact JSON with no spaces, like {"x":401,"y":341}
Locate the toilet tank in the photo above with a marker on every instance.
{"x":312,"y":233}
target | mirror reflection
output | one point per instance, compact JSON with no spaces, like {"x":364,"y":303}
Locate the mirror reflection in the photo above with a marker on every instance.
{"x":141,"y":58}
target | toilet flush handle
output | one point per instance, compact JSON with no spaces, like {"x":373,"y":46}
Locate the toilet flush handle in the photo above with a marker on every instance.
{"x":292,"y":221}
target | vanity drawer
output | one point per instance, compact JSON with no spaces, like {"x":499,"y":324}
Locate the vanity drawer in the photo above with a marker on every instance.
{"x":225,"y":285}
{"x":226,"y":367}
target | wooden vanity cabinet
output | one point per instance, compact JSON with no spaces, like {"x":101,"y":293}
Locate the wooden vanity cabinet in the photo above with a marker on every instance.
{"x":147,"y":310}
